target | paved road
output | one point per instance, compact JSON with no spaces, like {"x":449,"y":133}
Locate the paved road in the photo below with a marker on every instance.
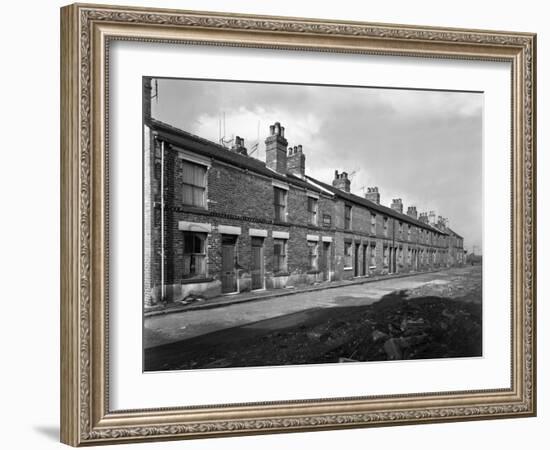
{"x":164,"y":329}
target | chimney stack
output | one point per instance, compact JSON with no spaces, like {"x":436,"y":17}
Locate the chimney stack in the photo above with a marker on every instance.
{"x":275,"y":148}
{"x":423,"y":217}
{"x":432,"y":218}
{"x":296,"y":161}
{"x":397,"y":205}
{"x":411,"y":212}
{"x":341,"y":181}
{"x":372,"y":194}
{"x":238,"y":146}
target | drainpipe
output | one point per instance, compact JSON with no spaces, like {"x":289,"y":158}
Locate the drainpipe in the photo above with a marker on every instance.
{"x":163,"y":287}
{"x":394,"y":251}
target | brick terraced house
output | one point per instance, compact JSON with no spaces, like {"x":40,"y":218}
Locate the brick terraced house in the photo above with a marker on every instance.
{"x":218,"y":221}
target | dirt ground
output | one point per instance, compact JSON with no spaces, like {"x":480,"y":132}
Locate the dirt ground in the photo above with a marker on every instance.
{"x":435,"y":320}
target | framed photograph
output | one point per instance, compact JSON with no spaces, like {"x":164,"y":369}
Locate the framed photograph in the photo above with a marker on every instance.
{"x":276,"y":224}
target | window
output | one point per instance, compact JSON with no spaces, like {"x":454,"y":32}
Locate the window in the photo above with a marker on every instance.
{"x":409,"y":232}
{"x":400,"y":230}
{"x":194,"y":184}
{"x":373,"y":223}
{"x":373,"y":255}
{"x":280,"y":204}
{"x":194,"y":255}
{"x":409,"y":256}
{"x":385,"y":226}
{"x":313,"y":252}
{"x":347,"y":255}
{"x":347,"y":217}
{"x":312,"y":210}
{"x":327,"y":220}
{"x":386,"y":256}
{"x":279,"y":255}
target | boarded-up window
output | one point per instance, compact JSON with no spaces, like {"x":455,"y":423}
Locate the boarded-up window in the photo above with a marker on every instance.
{"x":279,"y":255}
{"x":373,"y":255}
{"x":194,"y":184}
{"x":385,"y":226}
{"x":194,"y":255}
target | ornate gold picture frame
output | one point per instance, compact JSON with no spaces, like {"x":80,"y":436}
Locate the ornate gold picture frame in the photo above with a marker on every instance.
{"x":87,"y":31}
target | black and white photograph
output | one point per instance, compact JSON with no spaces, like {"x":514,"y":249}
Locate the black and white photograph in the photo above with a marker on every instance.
{"x":290,"y":224}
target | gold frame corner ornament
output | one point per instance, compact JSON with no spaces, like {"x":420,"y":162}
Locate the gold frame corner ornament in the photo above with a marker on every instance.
{"x":86,"y":31}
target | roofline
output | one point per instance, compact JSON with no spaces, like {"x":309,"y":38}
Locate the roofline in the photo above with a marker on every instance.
{"x":167,"y":128}
{"x":376,"y":206}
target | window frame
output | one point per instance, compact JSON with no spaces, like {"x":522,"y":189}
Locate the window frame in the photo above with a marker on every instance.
{"x":348,"y":264}
{"x":347,"y":219}
{"x":280,"y":256}
{"x":278,"y":207}
{"x":313,"y":215}
{"x":193,"y":186}
{"x":313,"y":256}
{"x":204,"y":254}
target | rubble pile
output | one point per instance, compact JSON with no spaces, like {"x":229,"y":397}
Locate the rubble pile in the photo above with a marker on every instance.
{"x":419,"y":328}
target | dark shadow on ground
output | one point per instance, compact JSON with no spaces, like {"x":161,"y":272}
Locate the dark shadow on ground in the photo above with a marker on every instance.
{"x":393,"y":328}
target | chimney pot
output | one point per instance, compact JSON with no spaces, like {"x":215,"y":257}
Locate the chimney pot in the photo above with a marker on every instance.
{"x":372,"y":194}
{"x":276,"y":149}
{"x":296,"y":163}
{"x":397,"y":205}
{"x":341,"y":181}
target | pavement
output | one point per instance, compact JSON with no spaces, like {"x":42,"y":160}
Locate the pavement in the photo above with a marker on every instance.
{"x":195,"y":321}
{"x":251,"y":296}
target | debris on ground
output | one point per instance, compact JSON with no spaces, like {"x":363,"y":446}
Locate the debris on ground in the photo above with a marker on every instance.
{"x":435,"y":320}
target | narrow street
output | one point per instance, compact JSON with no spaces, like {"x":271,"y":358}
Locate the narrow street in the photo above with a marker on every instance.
{"x":423,"y":316}
{"x":174,"y":327}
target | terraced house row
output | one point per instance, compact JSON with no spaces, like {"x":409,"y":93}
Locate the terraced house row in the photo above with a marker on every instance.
{"x":218,"y":221}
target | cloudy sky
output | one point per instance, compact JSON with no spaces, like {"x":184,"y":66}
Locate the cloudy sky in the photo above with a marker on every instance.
{"x":422,"y":146}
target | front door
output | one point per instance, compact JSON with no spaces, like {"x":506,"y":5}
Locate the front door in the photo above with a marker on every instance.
{"x":356,"y":265}
{"x":365,"y":257}
{"x":229,"y":276}
{"x":325,"y":261}
{"x":257,"y":266}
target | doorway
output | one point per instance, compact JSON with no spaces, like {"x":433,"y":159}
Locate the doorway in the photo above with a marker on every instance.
{"x":325,"y":261}
{"x":365,"y":259}
{"x":356,"y":261}
{"x":257,"y":263}
{"x":229,"y":272}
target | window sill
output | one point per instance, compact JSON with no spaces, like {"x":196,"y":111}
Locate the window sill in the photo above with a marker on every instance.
{"x":196,"y":280}
{"x":281,"y":274}
{"x":348,"y":268}
{"x":199,"y":209}
{"x":313,"y":272}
